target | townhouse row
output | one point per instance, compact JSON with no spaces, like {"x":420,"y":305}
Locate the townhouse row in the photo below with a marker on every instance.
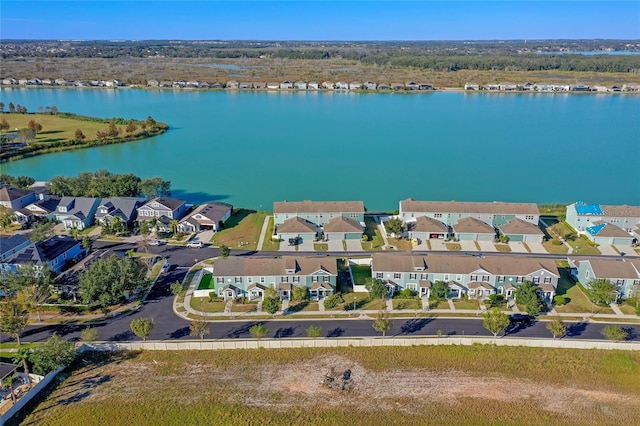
{"x":465,"y":276}
{"x":551,"y":87}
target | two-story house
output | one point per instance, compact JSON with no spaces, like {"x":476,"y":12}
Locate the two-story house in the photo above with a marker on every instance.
{"x":206,"y":217}
{"x":605,"y":224}
{"x":163,"y":210}
{"x":297,"y":218}
{"x":16,"y":198}
{"x":125,"y":208}
{"x":250,"y":277}
{"x":479,"y":277}
{"x":55,"y":252}
{"x":454,"y":214}
{"x":623,"y":273}
{"x":77,"y":212}
{"x":10,"y":245}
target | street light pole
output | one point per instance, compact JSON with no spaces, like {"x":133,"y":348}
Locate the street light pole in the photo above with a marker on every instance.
{"x":354,"y":304}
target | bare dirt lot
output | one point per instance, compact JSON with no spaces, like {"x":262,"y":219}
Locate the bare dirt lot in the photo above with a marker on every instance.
{"x":275,"y":387}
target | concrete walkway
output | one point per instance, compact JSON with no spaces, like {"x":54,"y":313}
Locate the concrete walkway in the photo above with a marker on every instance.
{"x":451,"y":305}
{"x":265,"y":226}
{"x":616,"y":309}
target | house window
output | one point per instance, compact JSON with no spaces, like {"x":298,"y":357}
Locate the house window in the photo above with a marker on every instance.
{"x":547,"y":280}
{"x":424,"y":276}
{"x":485,"y":278}
{"x":379,"y":275}
{"x":314,"y":279}
{"x":501,"y":279}
{"x":220,"y":280}
{"x":262,"y":280}
{"x":519,"y":279}
{"x":438,"y":215}
{"x":529,"y":217}
{"x":620,"y":283}
{"x":412,"y":286}
{"x":325,"y":279}
{"x":458,"y":278}
{"x":296,"y":279}
{"x":284,"y":279}
{"x":474,"y":278}
{"x":249,"y":280}
{"x":354,"y":215}
{"x":238,"y":279}
{"x":536,"y":280}
{"x":413,"y":276}
{"x":396,"y":275}
{"x":587,"y":275}
{"x":446,"y":277}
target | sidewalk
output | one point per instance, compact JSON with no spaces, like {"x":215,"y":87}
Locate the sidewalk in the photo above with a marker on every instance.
{"x":263,"y":232}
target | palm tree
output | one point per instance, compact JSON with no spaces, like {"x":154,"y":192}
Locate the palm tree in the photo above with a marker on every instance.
{"x":21,"y":357}
{"x":173,"y":227}
{"x":8,"y":382}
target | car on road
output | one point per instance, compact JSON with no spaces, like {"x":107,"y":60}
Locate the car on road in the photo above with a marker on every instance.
{"x":156,"y":242}
{"x":521,"y":319}
{"x":166,"y":267}
{"x":195,"y":244}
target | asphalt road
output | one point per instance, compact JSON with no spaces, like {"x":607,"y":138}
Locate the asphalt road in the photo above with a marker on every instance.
{"x":170,"y":327}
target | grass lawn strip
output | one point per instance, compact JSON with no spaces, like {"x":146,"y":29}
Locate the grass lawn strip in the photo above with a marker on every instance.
{"x":242,"y":230}
{"x":478,"y":385}
{"x":269,"y":244}
{"x":375,"y":241}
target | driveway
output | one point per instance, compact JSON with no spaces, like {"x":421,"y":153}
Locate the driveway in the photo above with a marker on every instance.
{"x":517,"y":247}
{"x":625,"y":249}
{"x":424,"y":247}
{"x":468,"y":245}
{"x":607,"y":250}
{"x":336,"y":245}
{"x":537,"y":248}
{"x":204,"y":236}
{"x":354,"y":245}
{"x":487,"y":246}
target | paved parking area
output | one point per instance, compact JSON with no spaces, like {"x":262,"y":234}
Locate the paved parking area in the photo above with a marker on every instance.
{"x":438,"y":245}
{"x":468,"y":245}
{"x":487,"y":246}
{"x":537,"y":248}
{"x":354,"y":245}
{"x":204,"y":236}
{"x":422,"y":246}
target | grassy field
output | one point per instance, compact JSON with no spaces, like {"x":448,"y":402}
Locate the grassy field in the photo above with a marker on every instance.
{"x":477,"y":385}
{"x":202,"y":304}
{"x":241,"y":230}
{"x":58,"y":133}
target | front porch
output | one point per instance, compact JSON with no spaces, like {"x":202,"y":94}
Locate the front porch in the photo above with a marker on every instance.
{"x":319,"y":291}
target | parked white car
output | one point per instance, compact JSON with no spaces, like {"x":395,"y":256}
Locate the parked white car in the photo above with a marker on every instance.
{"x":156,"y":242}
{"x":195,"y":244}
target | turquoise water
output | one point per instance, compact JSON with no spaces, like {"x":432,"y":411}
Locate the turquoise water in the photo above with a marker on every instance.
{"x":251,"y":149}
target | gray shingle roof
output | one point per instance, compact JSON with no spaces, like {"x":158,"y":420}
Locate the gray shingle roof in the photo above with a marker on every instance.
{"x":472,"y":225}
{"x":496,"y":207}
{"x":308,"y":206}
{"x":427,"y":224}
{"x":343,"y":224}
{"x":296,"y":225}
{"x":9,"y":193}
{"x":520,"y":227}
{"x":244,"y":266}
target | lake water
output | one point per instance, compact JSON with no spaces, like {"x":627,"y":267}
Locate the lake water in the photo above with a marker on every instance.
{"x":251,"y":149}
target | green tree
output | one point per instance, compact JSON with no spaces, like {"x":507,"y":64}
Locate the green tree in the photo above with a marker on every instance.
{"x":13,"y":318}
{"x":439,"y":291}
{"x":557,"y":328}
{"x":376,"y":288}
{"x":198,"y":329}
{"x":87,"y":242}
{"x":300,"y":292}
{"x":35,"y":126}
{"x":7,"y":383}
{"x":395,"y":226}
{"x":4,"y":125}
{"x":495,"y":321}
{"x":271,"y":304}
{"x":314,"y":331}
{"x":155,"y":187}
{"x":527,"y":294}
{"x":602,"y":291}
{"x":224,"y":251}
{"x":258,"y":331}
{"x":382,"y":323}
{"x":6,"y":217}
{"x":41,"y":232}
{"x":144,"y":227}
{"x":614,"y":332}
{"x":89,"y":335}
{"x":33,"y":296}
{"x":176,"y":288}
{"x":22,"y":357}
{"x":54,"y":353}
{"x":107,"y":280}
{"x":142,"y":327}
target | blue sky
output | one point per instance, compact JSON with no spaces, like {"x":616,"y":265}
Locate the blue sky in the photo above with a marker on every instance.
{"x":318,"y":20}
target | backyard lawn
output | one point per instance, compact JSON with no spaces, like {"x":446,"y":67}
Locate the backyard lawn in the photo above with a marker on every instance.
{"x":581,"y":304}
{"x":361,"y":274}
{"x":206,"y":282}
{"x":241,"y":230}
{"x":375,"y":241}
{"x":270,"y":244}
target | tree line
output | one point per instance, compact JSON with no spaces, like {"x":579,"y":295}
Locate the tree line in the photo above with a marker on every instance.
{"x":101,"y":184}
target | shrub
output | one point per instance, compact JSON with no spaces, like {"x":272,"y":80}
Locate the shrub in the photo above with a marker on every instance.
{"x":407,"y":293}
{"x":496,"y":299}
{"x":333,"y":301}
{"x":559,"y":300}
{"x":556,"y":242}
